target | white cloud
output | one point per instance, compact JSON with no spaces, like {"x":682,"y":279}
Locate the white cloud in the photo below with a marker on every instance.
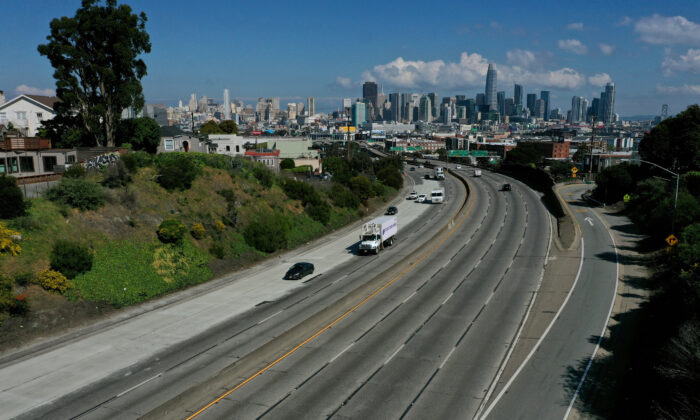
{"x":495,"y":25}
{"x":31,"y":90}
{"x":522,"y":58}
{"x":684,"y":63}
{"x":573,"y":45}
{"x":576,"y":26}
{"x":600,"y":79}
{"x":625,"y":21}
{"x":607,"y":49}
{"x":469,"y":72}
{"x":662,"y":30}
{"x":683,"y":90}
{"x":343,"y":82}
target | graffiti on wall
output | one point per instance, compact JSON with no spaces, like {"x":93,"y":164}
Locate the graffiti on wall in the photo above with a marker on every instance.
{"x":97,"y":162}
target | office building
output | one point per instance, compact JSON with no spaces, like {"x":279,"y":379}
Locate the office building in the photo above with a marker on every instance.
{"x":227,"y":105}
{"x":310,"y":106}
{"x":434,"y":104}
{"x":539,"y":109}
{"x":531,"y":100}
{"x":369,"y":93}
{"x":608,"y":103}
{"x":491,"y":88}
{"x":425,"y":110}
{"x":518,"y":95}
{"x":359,"y":113}
{"x":509,"y":106}
{"x":544,"y":95}
{"x":395,"y":101}
{"x":501,"y":101}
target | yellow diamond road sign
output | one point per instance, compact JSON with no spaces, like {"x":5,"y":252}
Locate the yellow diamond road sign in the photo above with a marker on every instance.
{"x":574,"y":169}
{"x":671,"y":240}
{"x":626,"y":198}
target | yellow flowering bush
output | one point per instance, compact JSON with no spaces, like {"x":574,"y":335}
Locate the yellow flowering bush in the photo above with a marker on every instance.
{"x":198,"y":231}
{"x":219,"y":226}
{"x":8,"y":244}
{"x":53,"y":280}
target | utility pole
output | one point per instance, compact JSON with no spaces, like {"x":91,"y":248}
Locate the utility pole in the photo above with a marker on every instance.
{"x":590,"y":167}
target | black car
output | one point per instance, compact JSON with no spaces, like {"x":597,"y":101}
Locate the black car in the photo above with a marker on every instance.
{"x":506,"y":187}
{"x":299,"y":270}
{"x":413,"y":168}
{"x":427,"y":176}
{"x":392,"y":210}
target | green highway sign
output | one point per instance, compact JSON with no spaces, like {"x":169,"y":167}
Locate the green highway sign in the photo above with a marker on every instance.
{"x":465,"y":153}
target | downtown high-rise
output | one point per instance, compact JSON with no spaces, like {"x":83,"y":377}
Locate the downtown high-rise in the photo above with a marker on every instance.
{"x":490,"y":95}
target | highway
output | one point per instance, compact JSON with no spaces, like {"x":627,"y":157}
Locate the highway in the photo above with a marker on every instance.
{"x":428,"y":345}
{"x":542,"y":387}
{"x":138,"y":363}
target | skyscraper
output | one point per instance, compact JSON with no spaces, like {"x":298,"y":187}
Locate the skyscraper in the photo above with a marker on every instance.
{"x":227,"y":105}
{"x":501,"y":100}
{"x":193,"y":103}
{"x":544,"y":95}
{"x":425,"y":112}
{"x":509,"y":107}
{"x":395,"y":100}
{"x":518,"y":95}
{"x":369,"y":93}
{"x":531,"y":100}
{"x":310,"y":106}
{"x":539,"y":109}
{"x":491,"y":88}
{"x":434,"y":104}
{"x":608,"y":103}
{"x":359,"y":113}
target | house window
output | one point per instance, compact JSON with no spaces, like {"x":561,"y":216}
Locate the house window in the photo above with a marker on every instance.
{"x":21,"y":115}
{"x":26,"y":163}
{"x":39,"y":116}
{"x":169,"y":144}
{"x":49,"y":163}
{"x":3,"y":116}
{"x":12,"y":165}
{"x":228,"y":148}
{"x":3,"y":168}
{"x":70,"y":159}
{"x":238,"y":148}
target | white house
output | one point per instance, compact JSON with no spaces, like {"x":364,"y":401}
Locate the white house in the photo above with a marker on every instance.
{"x":228,"y":144}
{"x":26,"y":112}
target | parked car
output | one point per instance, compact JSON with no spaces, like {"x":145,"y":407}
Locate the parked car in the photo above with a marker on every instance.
{"x":412,"y":196}
{"x":392,"y":210}
{"x":299,"y":270}
{"x":458,"y":167}
{"x":427,"y":176}
{"x":421,"y":166}
{"x":506,"y":187}
{"x":421,"y":198}
{"x":413,"y":168}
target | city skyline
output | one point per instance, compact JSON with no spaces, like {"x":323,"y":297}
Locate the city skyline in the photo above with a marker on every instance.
{"x":652,"y":54}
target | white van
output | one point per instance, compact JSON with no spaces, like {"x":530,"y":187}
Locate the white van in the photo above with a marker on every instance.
{"x":437,"y":196}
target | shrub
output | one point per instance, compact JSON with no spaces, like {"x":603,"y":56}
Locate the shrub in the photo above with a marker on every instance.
{"x":220,"y":226}
{"x":298,"y":190}
{"x":54,"y":281}
{"x":135,"y":160}
{"x":343,"y":197}
{"x":70,"y":258}
{"x":198,"y":231}
{"x":8,"y":244}
{"x":116,"y":175}
{"x":171,"y":231}
{"x":391,"y":176}
{"x":264,"y":175}
{"x":320,"y":212}
{"x":217,"y":250}
{"x":75,"y":171}
{"x":20,"y":305}
{"x":267,"y":233}
{"x":176,"y":171}
{"x":24,"y":278}
{"x":287,"y":164}
{"x":82,"y":194}
{"x":12,"y":203}
{"x":6,"y":297}
{"x":361,"y":187}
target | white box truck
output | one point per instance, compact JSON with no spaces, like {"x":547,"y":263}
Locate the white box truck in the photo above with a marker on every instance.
{"x":439,"y":173}
{"x":437,"y":196}
{"x":477,"y":172}
{"x":377,"y":234}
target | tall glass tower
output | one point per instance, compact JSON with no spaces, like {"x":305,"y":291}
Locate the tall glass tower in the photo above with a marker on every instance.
{"x":609,"y":103}
{"x":544,"y":95}
{"x":491,"y":88}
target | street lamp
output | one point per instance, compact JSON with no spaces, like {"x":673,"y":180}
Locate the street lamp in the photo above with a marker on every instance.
{"x":675,"y":203}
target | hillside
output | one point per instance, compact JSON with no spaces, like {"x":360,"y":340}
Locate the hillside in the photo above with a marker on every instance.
{"x":231,"y":209}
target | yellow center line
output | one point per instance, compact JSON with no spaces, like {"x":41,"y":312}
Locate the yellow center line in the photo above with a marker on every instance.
{"x":353,"y":309}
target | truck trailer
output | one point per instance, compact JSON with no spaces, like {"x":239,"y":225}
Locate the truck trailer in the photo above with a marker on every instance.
{"x":377,"y":234}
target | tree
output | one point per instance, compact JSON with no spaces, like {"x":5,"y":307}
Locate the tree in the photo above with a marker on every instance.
{"x":210,"y":127}
{"x":229,"y":127}
{"x":97,"y":69}
{"x":442,"y":153}
{"x":142,"y":133}
{"x":675,"y":142}
{"x":361,"y":187}
{"x":581,"y":152}
{"x":287,"y":164}
{"x":525,"y":154}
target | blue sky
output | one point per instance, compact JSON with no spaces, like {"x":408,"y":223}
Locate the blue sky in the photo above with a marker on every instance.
{"x":651,"y":50}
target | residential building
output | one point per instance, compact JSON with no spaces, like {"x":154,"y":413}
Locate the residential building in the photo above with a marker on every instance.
{"x":183,"y":143}
{"x":270,"y":158}
{"x":27,"y":112}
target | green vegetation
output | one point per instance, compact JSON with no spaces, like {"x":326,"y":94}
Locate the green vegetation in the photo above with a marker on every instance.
{"x":75,"y":171}
{"x":82,"y":194}
{"x":54,"y":281}
{"x":116,"y":175}
{"x":287,"y":164}
{"x":70,"y":258}
{"x":267,"y":232}
{"x":176,"y":171}
{"x":171,"y":231}
{"x":11,"y":197}
{"x":141,"y":133}
{"x":225,"y":127}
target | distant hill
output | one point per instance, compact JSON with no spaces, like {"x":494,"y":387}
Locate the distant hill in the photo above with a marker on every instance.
{"x":639,"y":117}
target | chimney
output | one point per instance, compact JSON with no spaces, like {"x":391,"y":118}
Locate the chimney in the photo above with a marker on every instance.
{"x":2,"y":97}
